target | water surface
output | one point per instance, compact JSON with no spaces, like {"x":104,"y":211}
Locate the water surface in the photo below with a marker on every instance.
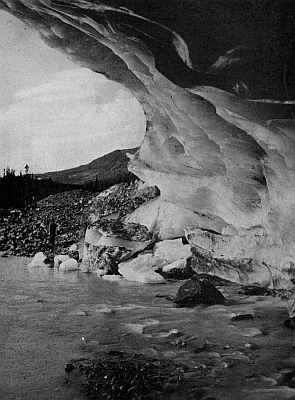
{"x":48,"y":318}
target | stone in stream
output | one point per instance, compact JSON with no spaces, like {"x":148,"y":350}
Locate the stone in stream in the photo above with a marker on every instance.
{"x":241,"y":316}
{"x":69,"y":367}
{"x":255,"y":290}
{"x":290,"y":323}
{"x":195,"y":291}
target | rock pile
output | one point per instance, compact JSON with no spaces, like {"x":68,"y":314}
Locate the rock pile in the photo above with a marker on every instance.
{"x":25,"y":233}
{"x":121,"y":200}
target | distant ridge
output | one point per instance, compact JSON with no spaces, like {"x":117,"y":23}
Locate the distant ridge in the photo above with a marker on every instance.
{"x":109,"y":166}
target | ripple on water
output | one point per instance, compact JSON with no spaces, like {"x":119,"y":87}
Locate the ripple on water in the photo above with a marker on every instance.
{"x":45,"y":314}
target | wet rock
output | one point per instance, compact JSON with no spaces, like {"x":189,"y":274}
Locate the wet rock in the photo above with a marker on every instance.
{"x":254,"y":290}
{"x":241,"y":316}
{"x":290,"y":323}
{"x":236,"y":355}
{"x":195,"y":291}
{"x":136,"y":328}
{"x":78,"y":313}
{"x":250,"y":332}
{"x":103,"y":260}
{"x":69,"y":367}
{"x":179,"y":270}
{"x":121,"y":378}
{"x":206,"y":346}
{"x":150,"y":352}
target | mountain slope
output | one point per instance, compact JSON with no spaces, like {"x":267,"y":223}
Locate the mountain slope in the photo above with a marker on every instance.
{"x":109,"y":166}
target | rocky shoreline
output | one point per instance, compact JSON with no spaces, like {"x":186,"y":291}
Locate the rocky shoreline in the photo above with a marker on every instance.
{"x":99,"y":233}
{"x":25,"y":232}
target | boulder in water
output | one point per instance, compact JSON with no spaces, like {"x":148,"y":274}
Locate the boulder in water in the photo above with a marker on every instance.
{"x":195,"y":291}
{"x":109,"y":242}
{"x":103,"y":260}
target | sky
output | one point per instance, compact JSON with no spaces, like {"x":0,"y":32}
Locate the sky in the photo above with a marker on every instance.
{"x":55,"y":114}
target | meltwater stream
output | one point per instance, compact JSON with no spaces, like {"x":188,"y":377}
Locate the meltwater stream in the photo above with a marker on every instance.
{"x":48,"y":318}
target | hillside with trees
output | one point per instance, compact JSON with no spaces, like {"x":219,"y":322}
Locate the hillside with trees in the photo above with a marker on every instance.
{"x":103,"y":171}
{"x":24,"y":190}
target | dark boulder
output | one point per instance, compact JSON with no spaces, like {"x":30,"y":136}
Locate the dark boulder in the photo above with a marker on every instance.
{"x":195,"y":291}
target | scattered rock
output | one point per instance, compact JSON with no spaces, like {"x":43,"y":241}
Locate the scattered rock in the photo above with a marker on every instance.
{"x":207,"y":346}
{"x":25,"y":232}
{"x":69,"y":367}
{"x":241,"y":317}
{"x":149,"y":352}
{"x":136,"y":328}
{"x":254,"y":290}
{"x":168,"y":354}
{"x":236,"y":355}
{"x":290,"y":323}
{"x":195,"y":291}
{"x":78,"y":313}
{"x":250,"y":332}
